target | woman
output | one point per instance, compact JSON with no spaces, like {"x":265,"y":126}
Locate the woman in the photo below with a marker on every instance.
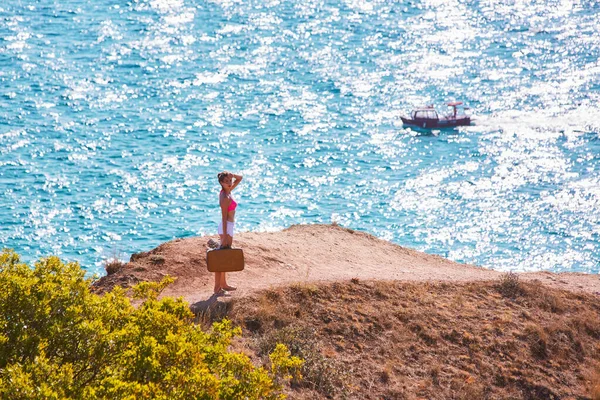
{"x":228,"y":182}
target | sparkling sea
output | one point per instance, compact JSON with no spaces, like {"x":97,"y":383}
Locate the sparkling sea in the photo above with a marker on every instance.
{"x":116,"y":116}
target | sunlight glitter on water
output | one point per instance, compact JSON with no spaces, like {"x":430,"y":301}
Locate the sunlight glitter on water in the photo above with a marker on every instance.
{"x":111,"y":141}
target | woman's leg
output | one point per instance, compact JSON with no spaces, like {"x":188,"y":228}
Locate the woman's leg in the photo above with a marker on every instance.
{"x":220,"y":276}
{"x":223,"y":282}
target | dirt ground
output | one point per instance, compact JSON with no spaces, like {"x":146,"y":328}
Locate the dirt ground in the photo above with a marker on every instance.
{"x":309,"y":253}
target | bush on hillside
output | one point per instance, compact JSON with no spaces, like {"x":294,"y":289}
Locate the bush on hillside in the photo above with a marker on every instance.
{"x":59,"y":340}
{"x":113,"y":266}
{"x":319,"y":372}
{"x":509,"y":285}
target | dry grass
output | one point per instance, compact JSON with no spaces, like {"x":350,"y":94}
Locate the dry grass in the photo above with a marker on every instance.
{"x":393,"y":340}
{"x":509,"y":285}
{"x":548,"y":300}
{"x":157,"y":259}
{"x":595,"y":389}
{"x":113,"y":265}
{"x":538,"y":341}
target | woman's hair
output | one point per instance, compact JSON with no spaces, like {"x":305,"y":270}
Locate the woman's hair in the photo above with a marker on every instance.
{"x":223,"y":175}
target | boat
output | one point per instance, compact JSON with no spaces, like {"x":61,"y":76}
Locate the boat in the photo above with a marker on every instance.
{"x":427,"y":117}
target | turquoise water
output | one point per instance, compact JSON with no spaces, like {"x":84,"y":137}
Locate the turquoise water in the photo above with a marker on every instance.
{"x":115,"y":118}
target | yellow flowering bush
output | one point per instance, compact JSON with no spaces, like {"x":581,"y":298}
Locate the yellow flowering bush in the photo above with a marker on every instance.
{"x":58,"y":340}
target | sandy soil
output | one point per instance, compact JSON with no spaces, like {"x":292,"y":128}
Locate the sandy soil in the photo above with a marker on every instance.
{"x":308,"y":253}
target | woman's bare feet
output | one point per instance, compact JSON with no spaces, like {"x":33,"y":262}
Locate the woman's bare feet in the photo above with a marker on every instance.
{"x":229,"y":288}
{"x":221,"y":292}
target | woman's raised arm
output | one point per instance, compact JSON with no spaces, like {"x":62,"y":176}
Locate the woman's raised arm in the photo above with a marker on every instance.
{"x":237,"y":180}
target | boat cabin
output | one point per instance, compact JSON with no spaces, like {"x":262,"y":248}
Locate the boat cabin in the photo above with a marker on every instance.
{"x":427,"y":113}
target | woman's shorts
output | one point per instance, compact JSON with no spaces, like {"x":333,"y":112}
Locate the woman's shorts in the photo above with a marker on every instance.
{"x":230,"y":228}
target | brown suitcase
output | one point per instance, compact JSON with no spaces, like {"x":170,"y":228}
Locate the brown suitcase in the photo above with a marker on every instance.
{"x":225,"y":260}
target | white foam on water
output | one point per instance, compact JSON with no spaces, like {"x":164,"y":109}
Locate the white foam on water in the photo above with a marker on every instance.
{"x":203,"y":78}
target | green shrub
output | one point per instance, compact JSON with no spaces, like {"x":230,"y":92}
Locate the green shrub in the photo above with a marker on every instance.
{"x":58,"y":340}
{"x":320,"y":373}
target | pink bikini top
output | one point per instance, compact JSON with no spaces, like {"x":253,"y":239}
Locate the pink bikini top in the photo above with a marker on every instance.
{"x":232,"y":205}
